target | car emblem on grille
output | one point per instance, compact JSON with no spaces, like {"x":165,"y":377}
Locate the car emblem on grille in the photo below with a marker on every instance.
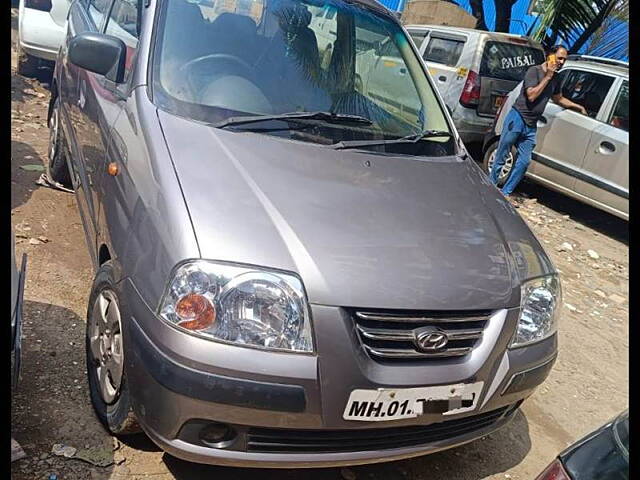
{"x":430,"y":339}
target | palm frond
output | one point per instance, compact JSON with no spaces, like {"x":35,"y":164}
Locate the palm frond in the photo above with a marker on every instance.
{"x":585,"y":25}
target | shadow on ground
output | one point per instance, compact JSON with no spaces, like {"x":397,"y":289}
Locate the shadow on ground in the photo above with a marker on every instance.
{"x":492,"y":454}
{"x":51,"y":402}
{"x":23,"y":182}
{"x":589,"y":216}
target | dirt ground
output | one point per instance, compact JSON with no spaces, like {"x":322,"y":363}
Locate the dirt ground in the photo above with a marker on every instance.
{"x":588,"y":385}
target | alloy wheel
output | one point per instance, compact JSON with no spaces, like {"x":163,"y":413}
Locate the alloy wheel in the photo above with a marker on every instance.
{"x":506,"y":168}
{"x":105,"y":336}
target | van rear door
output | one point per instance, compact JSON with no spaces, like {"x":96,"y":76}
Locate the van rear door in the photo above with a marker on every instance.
{"x":502,"y":67}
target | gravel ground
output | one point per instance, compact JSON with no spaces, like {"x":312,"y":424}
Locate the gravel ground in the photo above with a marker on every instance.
{"x":588,"y":385}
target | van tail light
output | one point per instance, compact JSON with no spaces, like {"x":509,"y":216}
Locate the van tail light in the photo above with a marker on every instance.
{"x":555,"y":471}
{"x":471,"y":92}
{"x":42,"y":5}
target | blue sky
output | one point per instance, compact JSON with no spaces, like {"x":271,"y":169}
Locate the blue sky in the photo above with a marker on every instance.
{"x":520,"y":21}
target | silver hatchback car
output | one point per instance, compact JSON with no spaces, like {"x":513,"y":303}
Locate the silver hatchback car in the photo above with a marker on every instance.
{"x":583,"y":156}
{"x":291,"y":271}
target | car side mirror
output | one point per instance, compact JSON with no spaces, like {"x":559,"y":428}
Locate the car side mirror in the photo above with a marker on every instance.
{"x":99,"y":53}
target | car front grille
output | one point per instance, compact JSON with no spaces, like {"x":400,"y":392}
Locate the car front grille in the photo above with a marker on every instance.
{"x":391,"y":336}
{"x":275,"y":440}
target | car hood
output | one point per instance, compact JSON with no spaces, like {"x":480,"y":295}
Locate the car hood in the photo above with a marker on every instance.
{"x":361,"y":229}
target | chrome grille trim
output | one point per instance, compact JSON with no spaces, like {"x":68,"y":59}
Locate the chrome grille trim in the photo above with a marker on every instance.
{"x":390,"y":336}
{"x":407,"y":335}
{"x":406,"y":353}
{"x":392,"y":317}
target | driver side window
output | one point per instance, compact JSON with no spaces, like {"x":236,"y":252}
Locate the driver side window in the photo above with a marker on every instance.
{"x":588,"y":89}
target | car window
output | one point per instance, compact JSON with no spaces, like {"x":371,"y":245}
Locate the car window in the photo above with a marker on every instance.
{"x":620,"y":115}
{"x":588,"y":89}
{"x":123,"y":23}
{"x":443,"y":50}
{"x":418,"y":37}
{"x":97,"y":10}
{"x":508,"y":61}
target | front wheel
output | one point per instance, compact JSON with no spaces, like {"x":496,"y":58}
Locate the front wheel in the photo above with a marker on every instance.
{"x":507,"y":168}
{"x":108,"y":386}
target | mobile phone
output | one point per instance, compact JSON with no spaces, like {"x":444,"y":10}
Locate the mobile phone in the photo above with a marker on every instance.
{"x":551,"y":59}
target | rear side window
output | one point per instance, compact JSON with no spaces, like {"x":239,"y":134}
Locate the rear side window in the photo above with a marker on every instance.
{"x":446,"y":51}
{"x":587,"y":89}
{"x":418,"y":37}
{"x":508,"y":61}
{"x":124,"y":23}
{"x":620,"y":115}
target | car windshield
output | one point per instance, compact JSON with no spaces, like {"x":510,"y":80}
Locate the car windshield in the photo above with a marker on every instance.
{"x":225,"y":59}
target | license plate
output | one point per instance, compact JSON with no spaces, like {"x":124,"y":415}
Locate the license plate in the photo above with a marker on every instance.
{"x":498,"y":102}
{"x":397,"y":403}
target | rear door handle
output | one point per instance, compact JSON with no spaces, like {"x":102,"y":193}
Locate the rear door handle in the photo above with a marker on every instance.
{"x":606,"y":148}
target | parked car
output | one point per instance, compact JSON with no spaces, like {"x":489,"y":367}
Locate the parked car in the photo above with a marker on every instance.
{"x":601,"y":455}
{"x":474,"y":70}
{"x":41,"y":30}
{"x":287,"y":273}
{"x":17,"y":296}
{"x":584,"y":157}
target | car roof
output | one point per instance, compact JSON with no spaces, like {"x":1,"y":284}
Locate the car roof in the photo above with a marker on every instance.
{"x":377,"y":6}
{"x":598,"y":66}
{"x":469,"y":30}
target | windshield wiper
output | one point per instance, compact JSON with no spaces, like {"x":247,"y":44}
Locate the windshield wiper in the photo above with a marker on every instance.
{"x":325,"y":116}
{"x":408,"y":139}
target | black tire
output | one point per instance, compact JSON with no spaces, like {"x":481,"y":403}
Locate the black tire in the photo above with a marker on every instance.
{"x":57,"y":170}
{"x":27,"y":64}
{"x":117,"y":416}
{"x":487,"y":161}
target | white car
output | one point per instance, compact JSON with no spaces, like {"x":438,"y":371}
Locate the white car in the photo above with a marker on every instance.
{"x":42,"y":25}
{"x":474,"y":71}
{"x":583,"y":156}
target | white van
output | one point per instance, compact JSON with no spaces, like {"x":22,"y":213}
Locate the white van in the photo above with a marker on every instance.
{"x":474,"y":70}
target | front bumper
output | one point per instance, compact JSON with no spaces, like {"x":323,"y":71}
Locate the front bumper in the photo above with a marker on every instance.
{"x":177,"y":379}
{"x":39,"y":35}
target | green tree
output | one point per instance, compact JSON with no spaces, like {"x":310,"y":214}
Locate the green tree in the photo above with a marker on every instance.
{"x":575,"y":22}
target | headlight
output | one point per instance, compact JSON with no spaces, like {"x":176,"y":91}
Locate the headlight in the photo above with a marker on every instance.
{"x":237,"y":304}
{"x":539,"y":309}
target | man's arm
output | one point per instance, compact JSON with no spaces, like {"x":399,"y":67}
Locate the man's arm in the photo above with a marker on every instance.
{"x":566,"y":103}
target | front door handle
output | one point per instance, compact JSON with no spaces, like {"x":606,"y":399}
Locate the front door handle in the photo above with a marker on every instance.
{"x":606,"y":148}
{"x":442,"y":78}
